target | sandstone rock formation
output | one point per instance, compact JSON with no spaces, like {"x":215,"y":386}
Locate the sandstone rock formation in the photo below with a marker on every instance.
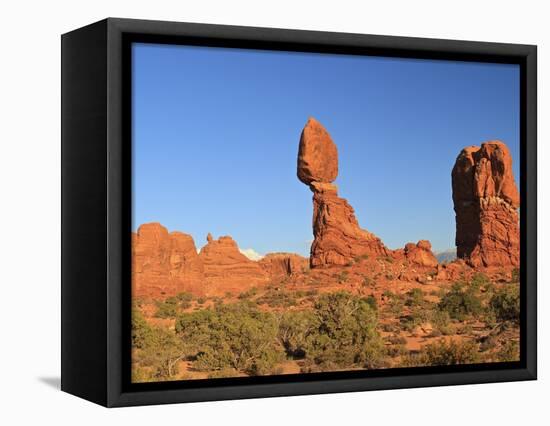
{"x":164,"y":264}
{"x":317,"y":154}
{"x":226,"y":269}
{"x":486,"y":200}
{"x":284,"y":264}
{"x":338,"y":236}
{"x":420,"y":254}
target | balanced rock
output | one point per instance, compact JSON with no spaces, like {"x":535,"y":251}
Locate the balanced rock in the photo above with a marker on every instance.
{"x":486,"y":200}
{"x":338,"y":237}
{"x":226,"y":269}
{"x":317,"y":154}
{"x":164,"y":264}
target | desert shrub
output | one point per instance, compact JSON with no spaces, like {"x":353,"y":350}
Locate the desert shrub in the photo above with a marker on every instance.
{"x":442,"y":353}
{"x":396,"y":305}
{"x":235,"y":336}
{"x":141,"y":331}
{"x":140,"y":375}
{"x":388,"y":294}
{"x":509,"y":352}
{"x":414,"y":319}
{"x":441,"y":322}
{"x":396,"y":339}
{"x":415,"y":297}
{"x":397,"y":350}
{"x":344,"y":333}
{"x":505,"y":304}
{"x":479,"y":280}
{"x":371,"y":300}
{"x":161,"y":351}
{"x":167,"y":308}
{"x":201,"y":300}
{"x":278,"y":299}
{"x":515,"y":275}
{"x":249,"y":293}
{"x":294,"y":329}
{"x":185,"y":297}
{"x":460,"y":303}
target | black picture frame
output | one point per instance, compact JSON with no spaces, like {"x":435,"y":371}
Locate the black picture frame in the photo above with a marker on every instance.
{"x":96,"y":211}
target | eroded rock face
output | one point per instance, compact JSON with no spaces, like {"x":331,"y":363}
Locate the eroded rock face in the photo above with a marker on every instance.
{"x":164,"y":264}
{"x":338,"y":237}
{"x":226,"y":269}
{"x":486,"y":200}
{"x":284,"y":264}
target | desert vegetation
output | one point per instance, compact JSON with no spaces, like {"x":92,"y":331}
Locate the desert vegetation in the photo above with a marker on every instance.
{"x":277,"y":330}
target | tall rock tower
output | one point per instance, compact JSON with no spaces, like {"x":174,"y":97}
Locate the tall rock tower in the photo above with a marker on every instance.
{"x":486,"y":202}
{"x":338,"y":237}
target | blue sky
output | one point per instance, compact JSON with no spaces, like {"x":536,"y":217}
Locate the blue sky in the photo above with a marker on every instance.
{"x":216,"y":133}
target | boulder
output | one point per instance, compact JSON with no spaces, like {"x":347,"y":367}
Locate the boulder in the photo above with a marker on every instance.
{"x":317,"y":154}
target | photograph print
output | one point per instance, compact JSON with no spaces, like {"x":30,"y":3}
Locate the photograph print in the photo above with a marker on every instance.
{"x":298,"y":213}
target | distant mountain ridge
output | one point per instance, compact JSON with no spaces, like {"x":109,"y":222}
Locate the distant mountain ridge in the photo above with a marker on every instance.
{"x":446,"y":255}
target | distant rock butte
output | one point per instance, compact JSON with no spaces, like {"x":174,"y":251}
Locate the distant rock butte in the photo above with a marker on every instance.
{"x":227,"y":269}
{"x":163,"y":263}
{"x":486,"y":200}
{"x":418,"y":254}
{"x":284,"y":264}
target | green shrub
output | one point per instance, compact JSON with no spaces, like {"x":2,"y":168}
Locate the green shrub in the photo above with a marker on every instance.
{"x":235,"y":336}
{"x":278,"y":299}
{"x":294,"y":329}
{"x":505,"y":304}
{"x":249,"y":293}
{"x":141,"y":331}
{"x":167,"y":308}
{"x":460,"y":303}
{"x":415,"y":297}
{"x":515,"y":275}
{"x":479,"y":280}
{"x":161,"y":350}
{"x":371,"y":300}
{"x":442,"y":353}
{"x":344,"y":333}
{"x":441,"y":322}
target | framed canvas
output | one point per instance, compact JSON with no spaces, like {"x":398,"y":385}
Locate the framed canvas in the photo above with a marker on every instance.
{"x":194,"y":158}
